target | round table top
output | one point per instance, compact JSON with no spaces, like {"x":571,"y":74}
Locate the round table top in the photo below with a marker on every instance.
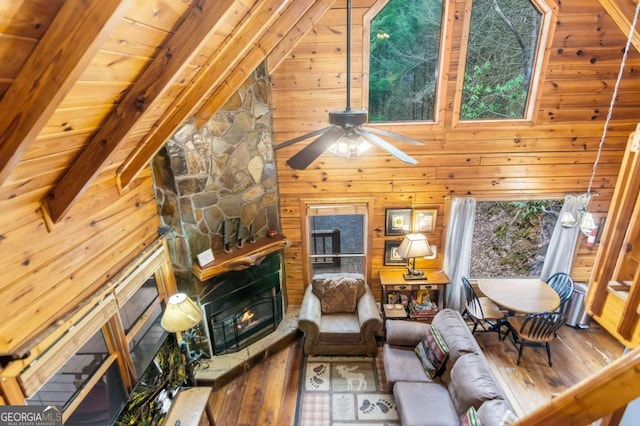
{"x":526,"y":295}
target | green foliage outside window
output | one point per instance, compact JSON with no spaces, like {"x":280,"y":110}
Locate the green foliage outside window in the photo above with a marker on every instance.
{"x":405,"y":41}
{"x":500,"y":56}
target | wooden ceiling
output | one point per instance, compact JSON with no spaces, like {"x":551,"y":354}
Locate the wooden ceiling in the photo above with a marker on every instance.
{"x":92,"y":89}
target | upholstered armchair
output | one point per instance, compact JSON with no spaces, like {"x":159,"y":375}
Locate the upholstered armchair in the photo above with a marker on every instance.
{"x":339,"y":316}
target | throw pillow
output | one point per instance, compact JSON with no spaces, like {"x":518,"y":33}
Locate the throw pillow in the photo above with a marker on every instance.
{"x":470,"y":418}
{"x":432,"y":351}
{"x":338,"y":295}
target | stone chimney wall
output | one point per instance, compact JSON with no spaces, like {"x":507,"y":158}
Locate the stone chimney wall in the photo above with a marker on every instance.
{"x":224,"y":171}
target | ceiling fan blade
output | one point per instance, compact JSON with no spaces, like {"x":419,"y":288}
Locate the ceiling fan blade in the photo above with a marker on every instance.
{"x":395,"y":136}
{"x":386,"y":146}
{"x":301,"y":138}
{"x":316,"y":148}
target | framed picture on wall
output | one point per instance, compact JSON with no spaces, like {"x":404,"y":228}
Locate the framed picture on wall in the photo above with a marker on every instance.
{"x":391,"y":256}
{"x":398,"y":221}
{"x":424,"y":220}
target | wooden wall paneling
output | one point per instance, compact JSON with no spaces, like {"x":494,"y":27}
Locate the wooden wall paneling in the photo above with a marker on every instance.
{"x":622,"y":12}
{"x":34,"y":246}
{"x":30,"y":105}
{"x":294,"y":34}
{"x":199,"y":23}
{"x":64,"y":294}
{"x":270,"y":35}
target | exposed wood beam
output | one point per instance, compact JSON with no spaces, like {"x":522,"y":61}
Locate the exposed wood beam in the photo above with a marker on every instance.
{"x":259,"y":52}
{"x":622,"y":12}
{"x":203,"y":18}
{"x":78,"y":30}
{"x":245,"y":37}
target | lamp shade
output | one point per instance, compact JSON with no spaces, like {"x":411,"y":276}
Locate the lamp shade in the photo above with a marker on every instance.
{"x":414,"y":245}
{"x":181,"y":314}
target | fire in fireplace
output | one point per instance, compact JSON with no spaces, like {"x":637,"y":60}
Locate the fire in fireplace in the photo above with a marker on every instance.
{"x":243,"y":306}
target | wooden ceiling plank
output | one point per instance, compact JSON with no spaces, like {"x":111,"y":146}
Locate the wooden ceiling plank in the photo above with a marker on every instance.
{"x":290,"y":24}
{"x":201,"y":21}
{"x":65,"y":50}
{"x":622,"y":18}
{"x":212,"y":75}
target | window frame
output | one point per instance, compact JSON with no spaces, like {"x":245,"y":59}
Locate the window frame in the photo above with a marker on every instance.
{"x":549,"y":12}
{"x":444,"y":56}
{"x":21,"y":379}
{"x":305,"y":232}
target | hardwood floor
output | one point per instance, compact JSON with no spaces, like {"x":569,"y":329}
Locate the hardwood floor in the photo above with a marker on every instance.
{"x":266,"y":395}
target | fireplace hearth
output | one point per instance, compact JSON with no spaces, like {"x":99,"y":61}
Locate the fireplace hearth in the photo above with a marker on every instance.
{"x":243,"y":306}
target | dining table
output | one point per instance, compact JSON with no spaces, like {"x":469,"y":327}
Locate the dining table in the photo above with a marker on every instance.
{"x":524,"y":295}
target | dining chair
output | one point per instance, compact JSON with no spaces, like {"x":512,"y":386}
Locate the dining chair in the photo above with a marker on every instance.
{"x":482,"y":311}
{"x":563,"y":284}
{"x":535,"y":330}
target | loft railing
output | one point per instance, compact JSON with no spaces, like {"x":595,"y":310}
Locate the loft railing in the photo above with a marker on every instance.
{"x":596,"y":397}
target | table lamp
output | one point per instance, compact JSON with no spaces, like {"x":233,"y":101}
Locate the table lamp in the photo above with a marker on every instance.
{"x":180,"y":316}
{"x":412,"y":246}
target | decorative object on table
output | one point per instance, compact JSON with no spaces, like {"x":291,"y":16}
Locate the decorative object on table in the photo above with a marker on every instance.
{"x":424,"y":220}
{"x":240,"y":235}
{"x":398,"y":221}
{"x":252,"y":236}
{"x":414,"y":245}
{"x":391,"y":255}
{"x":346,"y":137}
{"x":226,"y":236}
{"x":205,"y":257}
{"x":272,"y":233}
{"x":181,"y":316}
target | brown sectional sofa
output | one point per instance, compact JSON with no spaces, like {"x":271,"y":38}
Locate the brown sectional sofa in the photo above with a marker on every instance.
{"x":466,"y":380}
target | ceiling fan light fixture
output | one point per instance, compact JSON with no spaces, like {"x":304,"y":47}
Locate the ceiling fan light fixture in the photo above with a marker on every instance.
{"x":349,"y":145}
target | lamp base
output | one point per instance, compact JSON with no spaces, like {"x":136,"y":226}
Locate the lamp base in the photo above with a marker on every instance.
{"x":415,"y":275}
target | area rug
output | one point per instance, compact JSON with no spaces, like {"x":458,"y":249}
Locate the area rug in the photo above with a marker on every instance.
{"x":347,"y":390}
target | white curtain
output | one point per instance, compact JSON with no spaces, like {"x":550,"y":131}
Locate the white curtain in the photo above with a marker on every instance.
{"x":563,"y":241}
{"x":457,"y":256}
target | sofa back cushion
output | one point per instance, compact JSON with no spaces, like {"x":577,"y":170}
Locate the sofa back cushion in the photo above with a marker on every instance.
{"x":456,"y":334}
{"x":338,"y":293}
{"x":471,"y":383}
{"x":496,"y":412}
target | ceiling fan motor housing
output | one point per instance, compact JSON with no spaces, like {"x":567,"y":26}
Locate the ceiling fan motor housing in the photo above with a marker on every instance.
{"x":348,"y":118}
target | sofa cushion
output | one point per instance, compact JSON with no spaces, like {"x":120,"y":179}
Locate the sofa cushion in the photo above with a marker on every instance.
{"x":432,"y":351}
{"x":471,"y":383}
{"x":470,"y":418}
{"x":455,"y":333}
{"x":337,"y":328}
{"x":402,"y":365}
{"x":424,"y":404}
{"x":338,"y":294}
{"x":496,"y":412}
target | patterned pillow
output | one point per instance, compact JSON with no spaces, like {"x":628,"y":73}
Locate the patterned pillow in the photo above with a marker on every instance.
{"x":432,"y":351}
{"x":338,"y":295}
{"x":470,"y":418}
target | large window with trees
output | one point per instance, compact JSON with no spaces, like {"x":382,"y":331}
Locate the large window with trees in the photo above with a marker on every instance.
{"x":498,"y":46}
{"x":501,"y":51}
{"x":405,"y":54}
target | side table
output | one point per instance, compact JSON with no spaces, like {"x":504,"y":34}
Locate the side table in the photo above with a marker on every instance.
{"x":393,"y":280}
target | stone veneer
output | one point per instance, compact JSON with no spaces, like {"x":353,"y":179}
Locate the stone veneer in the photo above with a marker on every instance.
{"x":224,"y":171}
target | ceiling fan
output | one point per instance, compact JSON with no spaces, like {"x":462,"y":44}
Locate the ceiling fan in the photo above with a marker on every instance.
{"x":346,"y":136}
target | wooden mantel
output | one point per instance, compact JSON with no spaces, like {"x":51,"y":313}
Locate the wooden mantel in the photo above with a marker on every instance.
{"x":251,"y":254}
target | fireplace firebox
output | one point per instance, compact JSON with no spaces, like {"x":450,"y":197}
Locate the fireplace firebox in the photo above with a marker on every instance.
{"x":243,"y":306}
